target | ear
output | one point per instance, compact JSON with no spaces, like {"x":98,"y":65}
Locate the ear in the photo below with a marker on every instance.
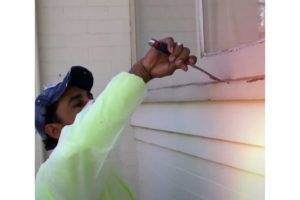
{"x":53,"y":129}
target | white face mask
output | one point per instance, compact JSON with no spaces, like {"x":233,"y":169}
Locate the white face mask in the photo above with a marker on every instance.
{"x":89,"y":103}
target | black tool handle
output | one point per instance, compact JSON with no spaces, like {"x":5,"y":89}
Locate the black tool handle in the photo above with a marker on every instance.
{"x":161,"y":46}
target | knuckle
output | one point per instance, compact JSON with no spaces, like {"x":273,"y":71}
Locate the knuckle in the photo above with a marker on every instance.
{"x":178,"y":50}
{"x":183,"y":65}
{"x":193,"y":59}
{"x":169,"y":39}
{"x":187,"y":50}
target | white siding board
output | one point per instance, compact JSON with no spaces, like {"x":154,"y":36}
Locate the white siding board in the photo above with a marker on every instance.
{"x":166,"y":190}
{"x":245,"y":157}
{"x":160,"y":188}
{"x":232,"y":178}
{"x":236,"y":121}
{"x":156,"y":174}
{"x":200,"y":92}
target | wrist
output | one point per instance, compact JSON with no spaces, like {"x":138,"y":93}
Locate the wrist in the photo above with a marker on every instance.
{"x":138,"y":69}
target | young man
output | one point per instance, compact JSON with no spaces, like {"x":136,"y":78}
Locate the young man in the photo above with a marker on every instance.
{"x":83,"y":131}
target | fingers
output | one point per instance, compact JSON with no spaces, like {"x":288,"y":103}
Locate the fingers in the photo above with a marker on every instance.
{"x":179,"y":55}
{"x":178,"y":49}
{"x":192,"y":60}
{"x":170,"y":42}
{"x":182,"y":58}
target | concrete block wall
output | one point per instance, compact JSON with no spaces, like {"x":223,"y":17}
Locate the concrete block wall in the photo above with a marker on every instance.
{"x":95,"y":34}
{"x":161,"y":18}
{"x":91,"y":33}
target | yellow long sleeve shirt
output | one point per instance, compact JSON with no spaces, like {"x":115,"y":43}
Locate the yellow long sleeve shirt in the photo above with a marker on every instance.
{"x":78,"y":167}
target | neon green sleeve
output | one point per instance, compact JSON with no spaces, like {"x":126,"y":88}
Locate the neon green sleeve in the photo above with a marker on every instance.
{"x":78,"y":168}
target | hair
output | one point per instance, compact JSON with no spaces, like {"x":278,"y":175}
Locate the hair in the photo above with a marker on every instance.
{"x":51,"y":117}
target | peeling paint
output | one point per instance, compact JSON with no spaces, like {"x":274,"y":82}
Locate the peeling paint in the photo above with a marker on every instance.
{"x":250,"y":79}
{"x":256,"y":79}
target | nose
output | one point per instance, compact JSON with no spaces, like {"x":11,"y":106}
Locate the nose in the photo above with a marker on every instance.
{"x":86,"y":100}
{"x":88,"y":97}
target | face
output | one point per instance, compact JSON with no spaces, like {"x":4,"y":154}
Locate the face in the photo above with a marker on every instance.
{"x":70,"y":104}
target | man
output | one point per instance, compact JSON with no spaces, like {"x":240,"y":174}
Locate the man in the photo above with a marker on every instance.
{"x":83,"y":131}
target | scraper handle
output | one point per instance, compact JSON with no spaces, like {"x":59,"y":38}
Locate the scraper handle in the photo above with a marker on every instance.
{"x":159,"y":46}
{"x":164,"y":48}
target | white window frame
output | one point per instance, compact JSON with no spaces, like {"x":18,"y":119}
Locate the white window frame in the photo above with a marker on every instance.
{"x":201,"y":37}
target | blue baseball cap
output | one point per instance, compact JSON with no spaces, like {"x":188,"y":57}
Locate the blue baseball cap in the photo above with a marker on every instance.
{"x":77,"y":76}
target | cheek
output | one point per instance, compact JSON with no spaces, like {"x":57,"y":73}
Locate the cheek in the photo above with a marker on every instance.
{"x":71,"y":116}
{"x":68,"y":117}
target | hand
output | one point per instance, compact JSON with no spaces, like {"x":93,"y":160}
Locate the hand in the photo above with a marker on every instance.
{"x":156,"y":64}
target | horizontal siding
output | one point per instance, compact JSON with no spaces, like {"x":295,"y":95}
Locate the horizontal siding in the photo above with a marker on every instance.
{"x":199,"y":92}
{"x":198,"y":139}
{"x":166,"y":174}
{"x":201,"y":150}
{"x":235,"y":121}
{"x":244,"y":157}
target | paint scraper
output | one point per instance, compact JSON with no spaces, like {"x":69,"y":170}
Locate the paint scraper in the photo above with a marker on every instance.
{"x":163,"y":48}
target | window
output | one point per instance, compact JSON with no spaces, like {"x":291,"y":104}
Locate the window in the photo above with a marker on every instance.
{"x":227,"y":37}
{"x":228,"y":24}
